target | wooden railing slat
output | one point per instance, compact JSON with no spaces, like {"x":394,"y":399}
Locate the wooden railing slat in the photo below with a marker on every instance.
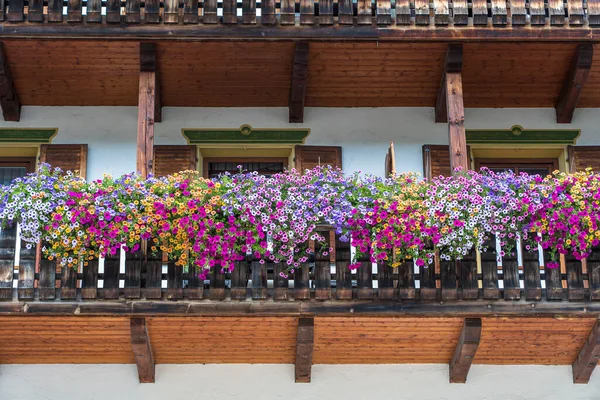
{"x":575,"y":290}
{"x":385,"y":282}
{"x":268,"y":13}
{"x":448,"y":280}
{"x":74,"y":11}
{"x":499,"y":13}
{"x":384,"y":12}
{"x":26,"y":272}
{"x":68,"y":283}
{"x":217,"y":284}
{"x":195,"y":285}
{"x":428,"y":289}
{"x":364,"y":279}
{"x":280,"y":283}
{"x":442,"y":14}
{"x":554,"y":288}
{"x":152,"y":286}
{"x":576,"y":13}
{"x":480,"y":12}
{"x":239,"y":280}
{"x":229,"y":11}
{"x":174,"y":281}
{"x":209,"y":12}
{"x":248,"y":11}
{"x":593,"y":267}
{"x":489,"y":271}
{"x":89,"y":283}
{"x":531,"y":274}
{"x":35,"y":11}
{"x":288,"y":12}
{"x":55,"y":10}
{"x":556,"y":9}
{"x":510,"y":273}
{"x":537,"y":12}
{"x":468,"y":277}
{"x":132,"y":12}
{"x":112,"y":267}
{"x":518,"y":12}
{"x":323,"y":271}
{"x":47,"y":280}
{"x":8,"y":238}
{"x":152,"y":11}
{"x":133,"y":270}
{"x":593,"y":8}
{"x":171,"y":11}
{"x":460,"y":12}
{"x":259,"y":280}
{"x":15,"y":11}
{"x":343,"y":275}
{"x":421,"y":12}
{"x":406,"y":281}
{"x":307,"y":12}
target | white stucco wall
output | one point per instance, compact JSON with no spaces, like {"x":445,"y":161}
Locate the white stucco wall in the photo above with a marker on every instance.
{"x":266,"y":382}
{"x":364,"y":133}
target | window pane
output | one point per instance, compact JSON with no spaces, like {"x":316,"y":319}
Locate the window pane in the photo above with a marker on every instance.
{"x":263,"y":168}
{"x":7,"y":174}
{"x":542,"y":171}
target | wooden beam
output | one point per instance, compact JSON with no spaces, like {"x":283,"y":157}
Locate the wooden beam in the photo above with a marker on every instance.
{"x":299,"y":76}
{"x":588,"y":357}
{"x":142,"y":349}
{"x":304,"y":349}
{"x":146,"y":109}
{"x":465,"y":350}
{"x":450,"y":107}
{"x":571,"y":90}
{"x":9,"y":101}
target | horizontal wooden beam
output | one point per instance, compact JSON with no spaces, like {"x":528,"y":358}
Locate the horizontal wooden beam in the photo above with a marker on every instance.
{"x":298,"y":86}
{"x":466,"y":348}
{"x":270,"y":33}
{"x":142,"y":349}
{"x":571,"y":90}
{"x":588,"y":357}
{"x":304,"y":349}
{"x":9,"y":101}
{"x":472,"y":308}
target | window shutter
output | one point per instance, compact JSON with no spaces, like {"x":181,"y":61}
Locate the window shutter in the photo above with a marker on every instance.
{"x":582,"y":157}
{"x":308,"y":157}
{"x":171,"y":159}
{"x":68,"y":157}
{"x":436,"y":160}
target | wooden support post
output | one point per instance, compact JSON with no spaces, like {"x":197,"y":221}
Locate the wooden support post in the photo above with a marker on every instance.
{"x":450,"y":107}
{"x":9,"y":101}
{"x":146,"y":109}
{"x":587,"y":359}
{"x":304,"y":349}
{"x":465,"y":350}
{"x":142,"y":349}
{"x":299,"y":76}
{"x":571,"y":90}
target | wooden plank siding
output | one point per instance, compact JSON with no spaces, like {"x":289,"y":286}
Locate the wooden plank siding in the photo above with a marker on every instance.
{"x":337,"y":340}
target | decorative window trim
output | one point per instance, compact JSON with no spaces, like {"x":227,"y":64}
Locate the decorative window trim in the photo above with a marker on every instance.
{"x":517,"y":135}
{"x":245,"y":134}
{"x":27,"y":135}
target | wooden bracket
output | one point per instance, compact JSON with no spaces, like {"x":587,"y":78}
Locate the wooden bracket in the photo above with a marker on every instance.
{"x":571,"y":90}
{"x":587,"y":359}
{"x":465,"y":350}
{"x":304,"y":349}
{"x":142,"y":349}
{"x":299,"y":77}
{"x":450,"y":107}
{"x":9,"y":101}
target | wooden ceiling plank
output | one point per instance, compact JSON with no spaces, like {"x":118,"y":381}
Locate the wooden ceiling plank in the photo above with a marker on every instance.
{"x":441,"y":11}
{"x":248,"y":11}
{"x":15,"y":11}
{"x":190,"y":12}
{"x":466,"y":348}
{"x":402,"y":12}
{"x":499,"y":14}
{"x":9,"y":101}
{"x":94,"y":11}
{"x":142,"y":349}
{"x":576,"y":78}
{"x":460,"y":11}
{"x":588,"y":356}
{"x":421,"y":12}
{"x":480,"y":12}
{"x":299,"y":78}
{"x":576,"y":13}
{"x":35,"y":11}
{"x":209,"y":12}
{"x":304,"y":349}
{"x":74,"y":13}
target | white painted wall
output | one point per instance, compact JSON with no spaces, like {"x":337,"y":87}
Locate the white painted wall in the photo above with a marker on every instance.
{"x":364,"y":133}
{"x":266,"y":382}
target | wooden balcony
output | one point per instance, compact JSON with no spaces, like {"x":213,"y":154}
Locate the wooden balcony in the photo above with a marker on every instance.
{"x":306,"y":19}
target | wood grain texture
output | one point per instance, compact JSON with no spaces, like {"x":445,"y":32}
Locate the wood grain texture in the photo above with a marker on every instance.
{"x":174,"y":158}
{"x":583,"y":157}
{"x":470,"y":336}
{"x":574,"y":83}
{"x":588,"y":356}
{"x":304,"y":349}
{"x":142,"y":349}
{"x":68,"y":157}
{"x":66,"y":340}
{"x":223,"y":340}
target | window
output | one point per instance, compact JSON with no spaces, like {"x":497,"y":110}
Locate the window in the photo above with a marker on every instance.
{"x":214,"y":167}
{"x":540,"y":166}
{"x":15,"y":167}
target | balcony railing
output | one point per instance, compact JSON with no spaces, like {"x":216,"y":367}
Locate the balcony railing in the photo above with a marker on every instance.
{"x":401,"y":13}
{"x":478,"y":278}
